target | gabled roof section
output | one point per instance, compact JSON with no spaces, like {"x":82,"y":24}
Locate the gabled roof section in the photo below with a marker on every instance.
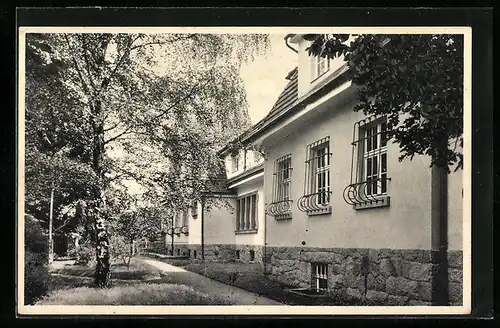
{"x":287,"y":97}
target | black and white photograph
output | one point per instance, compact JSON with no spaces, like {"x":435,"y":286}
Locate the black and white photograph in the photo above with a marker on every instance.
{"x":245,"y":170}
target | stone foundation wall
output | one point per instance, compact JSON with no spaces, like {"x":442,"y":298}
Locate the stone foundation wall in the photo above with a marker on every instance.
{"x":245,"y":253}
{"x":219,"y":252}
{"x":391,"y":277}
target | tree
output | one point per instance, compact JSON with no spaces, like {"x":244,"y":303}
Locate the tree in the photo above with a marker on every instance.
{"x":57,"y":173}
{"x":416,"y":81}
{"x":137,"y":92}
{"x":137,"y":221}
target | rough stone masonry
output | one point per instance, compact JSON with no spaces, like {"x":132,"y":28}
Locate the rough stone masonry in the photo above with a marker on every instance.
{"x":392,"y":277}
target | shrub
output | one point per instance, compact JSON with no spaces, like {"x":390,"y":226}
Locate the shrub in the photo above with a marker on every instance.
{"x":84,"y":254}
{"x":36,"y":274}
{"x":120,"y":249}
{"x":36,"y":277}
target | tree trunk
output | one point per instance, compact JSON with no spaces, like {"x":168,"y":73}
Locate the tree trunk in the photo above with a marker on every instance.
{"x":102,"y":270}
{"x":439,"y":196}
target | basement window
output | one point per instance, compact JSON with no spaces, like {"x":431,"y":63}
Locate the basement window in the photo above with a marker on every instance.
{"x":238,"y":254}
{"x":194,"y":254}
{"x":252,"y":255}
{"x":320,"y":276}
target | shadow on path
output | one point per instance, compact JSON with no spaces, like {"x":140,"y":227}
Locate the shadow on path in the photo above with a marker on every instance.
{"x":175,"y":275}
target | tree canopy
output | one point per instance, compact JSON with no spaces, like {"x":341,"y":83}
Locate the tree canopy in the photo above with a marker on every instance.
{"x":151,"y":108}
{"x":416,"y":81}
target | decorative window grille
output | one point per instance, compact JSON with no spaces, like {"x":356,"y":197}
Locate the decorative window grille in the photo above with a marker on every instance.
{"x":368,"y":186}
{"x":317,"y":191}
{"x":246,"y":213}
{"x":235,"y":161}
{"x":281,"y":205}
{"x":320,"y":276}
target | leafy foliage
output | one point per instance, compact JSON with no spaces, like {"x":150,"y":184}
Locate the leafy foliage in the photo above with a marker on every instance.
{"x":414,"y":80}
{"x":36,"y":275}
{"x":152,"y":109}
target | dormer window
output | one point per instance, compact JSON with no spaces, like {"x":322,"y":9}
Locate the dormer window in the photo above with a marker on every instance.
{"x":319,"y":66}
{"x":235,"y":161}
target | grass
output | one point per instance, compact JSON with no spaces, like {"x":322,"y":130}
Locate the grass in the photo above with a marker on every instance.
{"x":73,"y":285}
{"x":132,"y":294}
{"x":251,"y":277}
{"x":247,"y":276}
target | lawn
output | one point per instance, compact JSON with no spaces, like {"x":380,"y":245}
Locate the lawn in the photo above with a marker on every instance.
{"x":139,"y":284}
{"x":247,"y":276}
{"x":132,"y":294}
{"x":251,"y":277}
{"x":120,"y":271}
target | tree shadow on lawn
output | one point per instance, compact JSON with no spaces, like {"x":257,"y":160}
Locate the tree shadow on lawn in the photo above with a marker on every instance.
{"x":247,"y":276}
{"x":119,"y":271}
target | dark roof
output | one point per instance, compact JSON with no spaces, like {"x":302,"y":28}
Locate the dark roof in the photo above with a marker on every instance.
{"x":287,"y":97}
{"x":288,"y":101}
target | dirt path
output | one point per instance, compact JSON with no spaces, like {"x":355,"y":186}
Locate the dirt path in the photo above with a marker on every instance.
{"x":176,"y":275}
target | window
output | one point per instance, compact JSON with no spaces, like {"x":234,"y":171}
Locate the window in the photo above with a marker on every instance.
{"x":375,"y":159}
{"x":194,"y":254}
{"x":320,"y":276}
{"x":281,"y":204}
{"x":369,"y":175}
{"x":252,"y":255}
{"x":189,"y":253}
{"x":284,"y":178}
{"x":185,"y":218}
{"x":317,"y":192}
{"x":246,"y":213}
{"x":235,"y":161}
{"x":257,"y":157}
{"x":319,"y":66}
{"x":238,"y":254}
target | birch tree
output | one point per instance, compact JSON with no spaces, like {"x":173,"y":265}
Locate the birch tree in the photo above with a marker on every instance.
{"x":139,"y":91}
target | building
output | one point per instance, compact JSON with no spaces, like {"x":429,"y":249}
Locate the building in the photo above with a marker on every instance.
{"x":336,"y":210}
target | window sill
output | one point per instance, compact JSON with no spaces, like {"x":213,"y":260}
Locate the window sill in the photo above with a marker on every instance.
{"x":383,"y":201}
{"x":315,"y":79}
{"x":324,"y":211}
{"x":244,"y":232}
{"x":283,"y":217}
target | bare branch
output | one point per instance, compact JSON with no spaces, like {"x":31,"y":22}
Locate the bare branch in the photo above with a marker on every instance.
{"x":189,"y":95}
{"x":113,"y":126}
{"x":127,"y":131}
{"x":87,"y":63}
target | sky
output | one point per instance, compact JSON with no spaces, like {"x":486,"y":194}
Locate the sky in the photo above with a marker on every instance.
{"x":264,"y":77}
